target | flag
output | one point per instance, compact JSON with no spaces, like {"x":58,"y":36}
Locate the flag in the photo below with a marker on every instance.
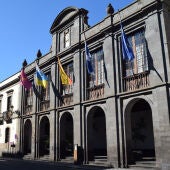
{"x":88,"y":60}
{"x":64,"y":78}
{"x":126,"y":49}
{"x":40,"y":78}
{"x":24,"y":80}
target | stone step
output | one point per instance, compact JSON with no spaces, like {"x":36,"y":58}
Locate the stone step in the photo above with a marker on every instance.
{"x":100,"y":157}
{"x":148,"y":159}
{"x":45,"y":157}
{"x":68,"y":159}
{"x":27,"y":157}
{"x":145,"y":165}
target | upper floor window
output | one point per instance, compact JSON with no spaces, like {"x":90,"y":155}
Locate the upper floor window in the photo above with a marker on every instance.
{"x":9,"y":102}
{"x":1,"y":96}
{"x":0,"y":106}
{"x":45,"y":95}
{"x":1,"y":115}
{"x":29,"y":97}
{"x":45,"y":92}
{"x":68,"y":89}
{"x":28,"y":100}
{"x":67,"y":38}
{"x":97,"y":64}
{"x":140,"y":62}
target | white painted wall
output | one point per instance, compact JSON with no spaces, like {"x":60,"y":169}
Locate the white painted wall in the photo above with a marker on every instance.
{"x":14,"y":126}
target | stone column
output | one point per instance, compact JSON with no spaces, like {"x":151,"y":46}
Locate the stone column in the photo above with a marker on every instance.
{"x":52,"y":117}
{"x":161,"y":125}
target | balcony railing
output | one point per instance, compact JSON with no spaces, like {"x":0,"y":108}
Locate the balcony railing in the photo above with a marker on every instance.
{"x":137,"y":81}
{"x":67,"y":99}
{"x":95,"y":92}
{"x":44,"y":105}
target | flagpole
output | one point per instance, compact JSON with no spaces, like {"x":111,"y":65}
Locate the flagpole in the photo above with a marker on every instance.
{"x":92,"y":75}
{"x":119,"y":16}
{"x":122,"y":28}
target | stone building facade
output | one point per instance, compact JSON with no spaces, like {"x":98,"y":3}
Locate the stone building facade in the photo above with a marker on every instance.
{"x":9,"y":115}
{"x":120,"y":114}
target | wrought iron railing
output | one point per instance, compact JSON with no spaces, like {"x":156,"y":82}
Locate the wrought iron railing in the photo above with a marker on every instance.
{"x":136,"y":81}
{"x":95,"y":92}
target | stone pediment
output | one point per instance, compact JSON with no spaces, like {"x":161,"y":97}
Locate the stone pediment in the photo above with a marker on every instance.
{"x":63,"y":16}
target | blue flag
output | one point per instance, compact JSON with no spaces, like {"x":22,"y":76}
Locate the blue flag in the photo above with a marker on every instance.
{"x":88,"y":60}
{"x":126,"y":49}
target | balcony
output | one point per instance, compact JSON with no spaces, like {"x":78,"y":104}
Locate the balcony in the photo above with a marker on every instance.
{"x":95,"y":92}
{"x":135,"y":82}
{"x":7,"y":116}
{"x":67,"y":99}
{"x":44,"y":105}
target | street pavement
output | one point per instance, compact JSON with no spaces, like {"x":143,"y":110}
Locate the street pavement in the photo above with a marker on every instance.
{"x":15,"y":164}
{"x":19,"y":164}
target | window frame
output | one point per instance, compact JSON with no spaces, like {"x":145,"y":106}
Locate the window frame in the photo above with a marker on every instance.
{"x":98,"y":65}
{"x":29,"y":97}
{"x":68,"y":89}
{"x":128,"y":65}
{"x":67,"y":41}
{"x":45,"y":92}
{"x":9,"y":102}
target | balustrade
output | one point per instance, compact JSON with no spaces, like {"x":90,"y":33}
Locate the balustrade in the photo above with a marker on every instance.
{"x":137,"y":81}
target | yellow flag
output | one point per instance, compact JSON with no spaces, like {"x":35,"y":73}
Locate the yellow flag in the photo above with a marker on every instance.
{"x":64,"y":78}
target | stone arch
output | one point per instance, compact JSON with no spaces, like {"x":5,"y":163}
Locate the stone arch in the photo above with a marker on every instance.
{"x":139,"y":133}
{"x":66,"y":135}
{"x":27,"y":136}
{"x":65,"y":15}
{"x":44,"y":136}
{"x":96,"y":134}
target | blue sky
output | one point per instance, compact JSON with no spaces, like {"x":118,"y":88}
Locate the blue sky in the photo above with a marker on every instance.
{"x":25,"y":25}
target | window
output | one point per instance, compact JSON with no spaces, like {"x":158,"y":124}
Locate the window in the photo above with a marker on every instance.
{"x":45,"y":95}
{"x":28,"y":100}
{"x":68,"y":89}
{"x":97,"y":63}
{"x":140,"y":63}
{"x":0,"y":106}
{"x":9,"y":103}
{"x":29,"y":97}
{"x":45,"y":92}
{"x":1,"y":115}
{"x":67,"y":38}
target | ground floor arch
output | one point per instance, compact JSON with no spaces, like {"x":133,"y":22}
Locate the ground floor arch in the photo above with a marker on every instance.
{"x":44,"y":136}
{"x":66,"y":135}
{"x":96,"y":134}
{"x":27,"y":136}
{"x":139,"y":136}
